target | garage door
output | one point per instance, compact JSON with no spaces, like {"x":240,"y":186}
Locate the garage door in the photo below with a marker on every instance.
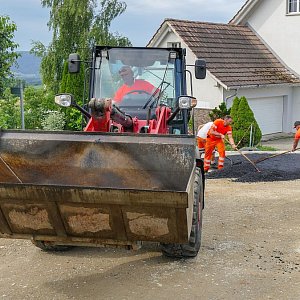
{"x":268,"y":113}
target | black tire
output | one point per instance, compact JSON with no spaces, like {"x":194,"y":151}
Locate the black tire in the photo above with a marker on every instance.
{"x":190,"y":249}
{"x":50,"y":246}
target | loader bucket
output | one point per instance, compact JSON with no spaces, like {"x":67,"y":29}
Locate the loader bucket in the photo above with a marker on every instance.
{"x":96,"y":188}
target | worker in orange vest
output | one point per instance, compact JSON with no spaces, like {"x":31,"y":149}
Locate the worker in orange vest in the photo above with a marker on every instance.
{"x":297,"y":135}
{"x":215,"y":139}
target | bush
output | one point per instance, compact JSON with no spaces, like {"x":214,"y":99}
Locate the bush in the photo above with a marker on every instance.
{"x":54,"y":120}
{"x":219,"y":112}
{"x":243,"y":117}
{"x":36,"y":102}
{"x":234,"y":110}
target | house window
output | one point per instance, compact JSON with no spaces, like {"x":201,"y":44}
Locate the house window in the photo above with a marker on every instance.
{"x":173,"y":45}
{"x":293,"y":6}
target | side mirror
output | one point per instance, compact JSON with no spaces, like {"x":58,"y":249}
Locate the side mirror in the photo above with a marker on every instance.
{"x":67,"y":100}
{"x":74,"y":63}
{"x":200,"y":68}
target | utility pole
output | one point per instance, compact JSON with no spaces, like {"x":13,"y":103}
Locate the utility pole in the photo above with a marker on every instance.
{"x":18,"y":91}
{"x":22,"y":105}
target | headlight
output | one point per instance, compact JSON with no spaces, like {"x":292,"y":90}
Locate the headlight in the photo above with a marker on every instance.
{"x":64,"y":100}
{"x":187,"y":102}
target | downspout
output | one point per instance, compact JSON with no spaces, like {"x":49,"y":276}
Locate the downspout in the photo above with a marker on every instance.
{"x":230,"y":96}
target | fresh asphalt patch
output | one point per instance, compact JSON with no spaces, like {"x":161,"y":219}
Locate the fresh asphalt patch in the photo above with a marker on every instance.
{"x":282,"y":168}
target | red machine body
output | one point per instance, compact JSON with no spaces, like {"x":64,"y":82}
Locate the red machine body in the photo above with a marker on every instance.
{"x":106,"y":117}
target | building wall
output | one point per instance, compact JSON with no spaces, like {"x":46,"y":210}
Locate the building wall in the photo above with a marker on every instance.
{"x":201,"y":116}
{"x":262,"y":92}
{"x":208,"y":92}
{"x":296,"y":110}
{"x":170,"y":36}
{"x":279,"y":30}
{"x":290,"y":95}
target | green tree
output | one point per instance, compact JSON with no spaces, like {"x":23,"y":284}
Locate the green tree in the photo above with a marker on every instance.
{"x":8,"y":55}
{"x":100,"y":30}
{"x":243,"y":119}
{"x":219,"y":112}
{"x":73,"y":84}
{"x":9,"y":111}
{"x":77,"y":25}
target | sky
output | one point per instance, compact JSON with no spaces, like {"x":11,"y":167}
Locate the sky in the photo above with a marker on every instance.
{"x":138,"y":23}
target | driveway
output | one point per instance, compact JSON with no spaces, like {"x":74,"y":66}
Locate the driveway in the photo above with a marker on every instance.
{"x":250,"y":250}
{"x":283,"y":143}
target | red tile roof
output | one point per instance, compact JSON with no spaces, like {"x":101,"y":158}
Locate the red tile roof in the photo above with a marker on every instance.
{"x":234,"y":54}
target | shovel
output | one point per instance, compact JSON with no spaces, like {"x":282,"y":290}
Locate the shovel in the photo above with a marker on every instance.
{"x":247,"y":158}
{"x":250,"y":161}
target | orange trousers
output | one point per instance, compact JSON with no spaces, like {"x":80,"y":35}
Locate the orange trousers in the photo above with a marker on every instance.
{"x":209,"y":148}
{"x":201,"y":142}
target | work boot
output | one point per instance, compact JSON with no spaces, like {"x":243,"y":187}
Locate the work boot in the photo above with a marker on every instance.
{"x":213,"y":165}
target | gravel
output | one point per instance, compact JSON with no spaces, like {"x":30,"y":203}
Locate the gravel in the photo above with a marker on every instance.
{"x":281,"y":168}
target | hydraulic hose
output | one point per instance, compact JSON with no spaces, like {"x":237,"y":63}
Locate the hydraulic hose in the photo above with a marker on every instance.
{"x":120,"y":117}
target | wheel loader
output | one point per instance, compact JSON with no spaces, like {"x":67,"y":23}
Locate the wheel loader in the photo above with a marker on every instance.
{"x":132,"y":175}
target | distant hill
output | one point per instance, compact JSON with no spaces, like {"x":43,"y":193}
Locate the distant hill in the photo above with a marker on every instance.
{"x":28,"y":68}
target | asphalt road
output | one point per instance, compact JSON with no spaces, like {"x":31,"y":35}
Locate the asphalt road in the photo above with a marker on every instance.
{"x":268,"y":168}
{"x":250,"y":250}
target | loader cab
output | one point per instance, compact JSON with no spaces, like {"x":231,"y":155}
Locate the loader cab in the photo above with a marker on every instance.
{"x":158,"y":78}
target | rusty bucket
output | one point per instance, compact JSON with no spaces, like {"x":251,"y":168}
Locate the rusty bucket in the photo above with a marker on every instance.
{"x":93,"y":188}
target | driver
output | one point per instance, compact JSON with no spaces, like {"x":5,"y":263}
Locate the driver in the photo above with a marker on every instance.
{"x":132,"y":84}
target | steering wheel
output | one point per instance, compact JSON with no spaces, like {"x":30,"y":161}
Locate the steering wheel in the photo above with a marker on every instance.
{"x":141,"y":92}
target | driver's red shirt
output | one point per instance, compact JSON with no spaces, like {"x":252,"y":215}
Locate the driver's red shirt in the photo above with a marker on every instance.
{"x":297,"y":135}
{"x":137,"y":85}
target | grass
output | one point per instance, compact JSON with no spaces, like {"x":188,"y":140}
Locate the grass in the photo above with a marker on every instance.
{"x":259,"y":148}
{"x":266,"y":148}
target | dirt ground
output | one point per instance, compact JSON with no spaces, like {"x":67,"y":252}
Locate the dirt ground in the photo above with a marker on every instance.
{"x":250,"y":250}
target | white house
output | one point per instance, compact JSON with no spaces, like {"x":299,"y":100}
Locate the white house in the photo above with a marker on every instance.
{"x":255,"y":55}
